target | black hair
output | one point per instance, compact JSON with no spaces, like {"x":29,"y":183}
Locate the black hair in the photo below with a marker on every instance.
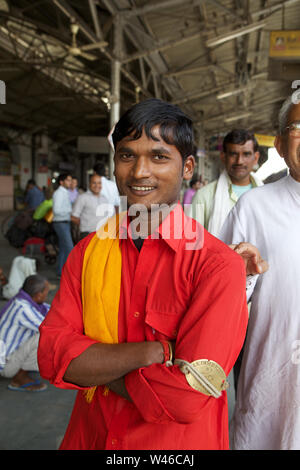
{"x":175,"y":127}
{"x":93,"y":174}
{"x":240,"y":137}
{"x":99,"y":169}
{"x":34,"y":284}
{"x":194,"y":180}
{"x":63,"y":177}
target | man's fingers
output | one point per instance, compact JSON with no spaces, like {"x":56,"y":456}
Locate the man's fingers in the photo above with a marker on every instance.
{"x":263,"y":266}
{"x":252,"y":258}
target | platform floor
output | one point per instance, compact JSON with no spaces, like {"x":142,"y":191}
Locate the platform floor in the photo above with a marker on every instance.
{"x":37,"y":421}
{"x":32,"y":421}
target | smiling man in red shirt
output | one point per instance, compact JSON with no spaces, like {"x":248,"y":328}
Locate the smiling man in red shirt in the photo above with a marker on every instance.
{"x":150,"y":316}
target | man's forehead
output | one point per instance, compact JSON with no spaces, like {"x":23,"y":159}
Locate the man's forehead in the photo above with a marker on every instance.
{"x":154,"y":135}
{"x":294,"y":114}
{"x":154,"y":141}
{"x":248,"y":145}
{"x":95,"y":179}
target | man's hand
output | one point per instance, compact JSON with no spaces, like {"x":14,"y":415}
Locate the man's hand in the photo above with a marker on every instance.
{"x":118,"y":386}
{"x":253,"y":261}
{"x":75,"y":220}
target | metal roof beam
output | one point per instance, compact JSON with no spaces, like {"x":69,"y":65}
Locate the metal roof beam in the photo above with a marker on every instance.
{"x":95,"y":19}
{"x":150,"y":8}
{"x":219,"y":5}
{"x":70,"y":13}
{"x":273,"y":8}
{"x":159,"y":48}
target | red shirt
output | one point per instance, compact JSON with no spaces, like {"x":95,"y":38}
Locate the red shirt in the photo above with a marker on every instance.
{"x":196,"y":297}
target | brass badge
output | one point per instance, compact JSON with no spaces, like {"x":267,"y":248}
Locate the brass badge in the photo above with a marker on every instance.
{"x":203,"y":375}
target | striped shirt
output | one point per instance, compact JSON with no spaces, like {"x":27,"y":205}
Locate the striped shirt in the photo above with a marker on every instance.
{"x":17,"y":325}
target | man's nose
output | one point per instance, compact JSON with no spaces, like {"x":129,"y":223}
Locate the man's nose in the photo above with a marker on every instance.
{"x":141,"y":168}
{"x":239,"y":159}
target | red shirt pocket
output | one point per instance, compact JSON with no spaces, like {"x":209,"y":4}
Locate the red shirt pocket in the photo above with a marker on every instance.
{"x":163,"y":325}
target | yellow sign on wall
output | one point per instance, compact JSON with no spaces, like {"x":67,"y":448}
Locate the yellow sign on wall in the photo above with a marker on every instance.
{"x":285,"y":44}
{"x":265,"y":140}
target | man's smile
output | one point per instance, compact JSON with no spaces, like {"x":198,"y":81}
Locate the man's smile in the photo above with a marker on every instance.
{"x":141,"y":190}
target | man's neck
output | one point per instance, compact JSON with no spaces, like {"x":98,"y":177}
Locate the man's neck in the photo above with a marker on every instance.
{"x":146,"y":222}
{"x":296,"y":177}
{"x":244,"y":182}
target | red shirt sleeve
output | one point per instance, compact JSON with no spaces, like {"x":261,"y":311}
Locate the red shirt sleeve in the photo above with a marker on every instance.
{"x":213,"y":328}
{"x":61,"y":333}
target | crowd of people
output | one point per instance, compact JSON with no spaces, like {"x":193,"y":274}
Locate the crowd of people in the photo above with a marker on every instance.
{"x":152,"y":311}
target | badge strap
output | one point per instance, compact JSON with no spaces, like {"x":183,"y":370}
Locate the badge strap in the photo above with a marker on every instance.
{"x":193,"y":368}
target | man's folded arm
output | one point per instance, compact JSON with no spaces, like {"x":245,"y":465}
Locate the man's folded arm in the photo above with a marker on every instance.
{"x":70,"y":359}
{"x":213,"y":328}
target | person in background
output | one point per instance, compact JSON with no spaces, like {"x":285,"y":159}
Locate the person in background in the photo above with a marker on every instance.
{"x":267,"y":412}
{"x":45,"y":206}
{"x":20,"y":319}
{"x":109,"y":188}
{"x":85,"y":209}
{"x":3,"y":280}
{"x":195,"y":184}
{"x":62,"y":209}
{"x":212,"y":203}
{"x":73,"y":190}
{"x":33,"y":195}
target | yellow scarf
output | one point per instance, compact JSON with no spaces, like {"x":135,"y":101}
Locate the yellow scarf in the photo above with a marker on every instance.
{"x":101,"y":283}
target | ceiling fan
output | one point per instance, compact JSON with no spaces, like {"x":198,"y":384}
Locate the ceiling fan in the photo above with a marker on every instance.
{"x":75,"y":50}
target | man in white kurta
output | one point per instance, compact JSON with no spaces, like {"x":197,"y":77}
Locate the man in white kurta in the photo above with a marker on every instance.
{"x":267,"y":413}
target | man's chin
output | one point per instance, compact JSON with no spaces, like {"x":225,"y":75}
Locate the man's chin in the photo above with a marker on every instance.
{"x":239,"y":175}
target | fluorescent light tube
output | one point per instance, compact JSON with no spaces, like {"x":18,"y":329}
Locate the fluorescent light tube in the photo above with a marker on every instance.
{"x":236,"y":117}
{"x":235,"y":34}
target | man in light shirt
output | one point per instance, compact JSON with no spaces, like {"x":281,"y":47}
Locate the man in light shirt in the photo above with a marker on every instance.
{"x":109,"y":188}
{"x":212,"y":203}
{"x":267,"y":412}
{"x":62,"y":209}
{"x":73,"y":191}
{"x":88,"y":205}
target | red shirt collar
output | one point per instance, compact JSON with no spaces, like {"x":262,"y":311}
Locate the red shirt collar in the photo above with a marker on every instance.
{"x":173,"y":228}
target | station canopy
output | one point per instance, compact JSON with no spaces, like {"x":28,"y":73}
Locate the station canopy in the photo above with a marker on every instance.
{"x":67,"y":63}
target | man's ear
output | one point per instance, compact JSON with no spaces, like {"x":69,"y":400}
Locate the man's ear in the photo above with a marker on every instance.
{"x":256,"y":157}
{"x":222,"y":157}
{"x":278,"y":144}
{"x":188,"y":167}
{"x":36,"y":297}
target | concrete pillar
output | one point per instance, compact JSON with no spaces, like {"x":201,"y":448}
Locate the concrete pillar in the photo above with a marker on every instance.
{"x":115,"y":83}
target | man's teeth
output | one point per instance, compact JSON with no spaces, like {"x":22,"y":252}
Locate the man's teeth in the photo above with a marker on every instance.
{"x":142,"y":188}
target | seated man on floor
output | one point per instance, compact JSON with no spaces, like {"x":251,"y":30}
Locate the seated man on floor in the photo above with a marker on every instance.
{"x":19,"y":334}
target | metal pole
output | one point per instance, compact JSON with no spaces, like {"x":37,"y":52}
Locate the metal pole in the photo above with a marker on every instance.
{"x":115,"y":84}
{"x":33,"y":155}
{"x":201,"y":146}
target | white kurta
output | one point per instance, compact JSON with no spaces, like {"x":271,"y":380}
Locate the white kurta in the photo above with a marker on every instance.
{"x":267,"y":413}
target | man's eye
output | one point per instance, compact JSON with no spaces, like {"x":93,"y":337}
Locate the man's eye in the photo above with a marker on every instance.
{"x":160,"y":157}
{"x":126,"y":156}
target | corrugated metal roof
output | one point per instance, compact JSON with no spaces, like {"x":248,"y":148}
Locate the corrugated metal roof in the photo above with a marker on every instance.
{"x":165,"y":54}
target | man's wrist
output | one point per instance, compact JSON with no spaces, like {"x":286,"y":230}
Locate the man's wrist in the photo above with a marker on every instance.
{"x":168,"y":352}
{"x":154,"y":353}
